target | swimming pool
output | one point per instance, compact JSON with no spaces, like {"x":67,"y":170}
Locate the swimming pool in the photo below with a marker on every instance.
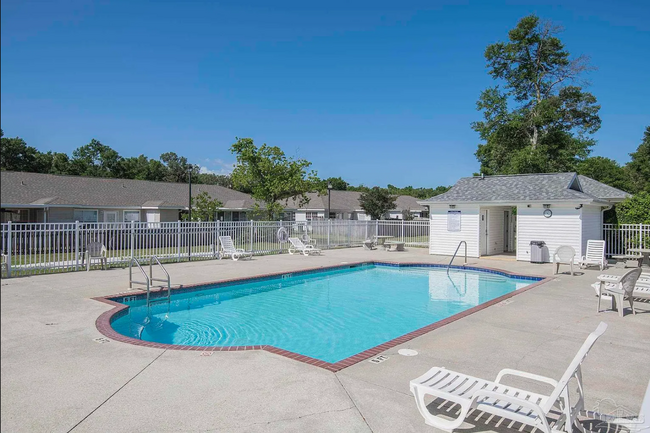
{"x":328,"y":315}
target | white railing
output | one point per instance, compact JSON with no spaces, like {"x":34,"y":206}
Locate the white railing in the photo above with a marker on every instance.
{"x":619,"y":238}
{"x":39,"y":248}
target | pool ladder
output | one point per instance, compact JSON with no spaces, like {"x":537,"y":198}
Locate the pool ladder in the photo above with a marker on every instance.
{"x":456,"y":252}
{"x":148,"y":279}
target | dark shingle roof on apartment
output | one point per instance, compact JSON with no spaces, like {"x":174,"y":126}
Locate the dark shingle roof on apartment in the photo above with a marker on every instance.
{"x":21,"y":188}
{"x":528,"y":187}
{"x":348,"y":201}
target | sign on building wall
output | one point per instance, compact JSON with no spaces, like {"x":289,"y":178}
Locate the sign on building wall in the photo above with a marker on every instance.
{"x":453,"y":221}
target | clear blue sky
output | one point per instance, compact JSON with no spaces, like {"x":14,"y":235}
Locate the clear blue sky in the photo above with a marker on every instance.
{"x":375,"y":92}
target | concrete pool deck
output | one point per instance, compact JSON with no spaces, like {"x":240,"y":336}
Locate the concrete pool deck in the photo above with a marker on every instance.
{"x":57,"y":378}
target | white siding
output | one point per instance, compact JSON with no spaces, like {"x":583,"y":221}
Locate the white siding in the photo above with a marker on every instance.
{"x":564,"y":227}
{"x":444,"y":242}
{"x":592,"y":226}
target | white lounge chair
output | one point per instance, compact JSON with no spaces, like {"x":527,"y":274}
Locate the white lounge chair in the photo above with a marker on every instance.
{"x":297,"y":246}
{"x":307,"y":240}
{"x":623,"y":287}
{"x":96,"y":251}
{"x":369,"y":244}
{"x":613,"y":423}
{"x":595,"y":255}
{"x":502,"y":400}
{"x":564,"y":255}
{"x":228,"y":249}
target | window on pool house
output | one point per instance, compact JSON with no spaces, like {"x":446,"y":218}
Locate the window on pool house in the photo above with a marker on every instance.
{"x":313,"y":216}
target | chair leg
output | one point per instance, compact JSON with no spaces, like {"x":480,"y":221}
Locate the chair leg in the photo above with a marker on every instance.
{"x":631,"y":300}
{"x":557,"y":268}
{"x":619,"y":303}
{"x":600,"y":296}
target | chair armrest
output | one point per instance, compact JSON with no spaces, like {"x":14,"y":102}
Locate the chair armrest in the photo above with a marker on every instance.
{"x":609,"y":278}
{"x":524,"y":374}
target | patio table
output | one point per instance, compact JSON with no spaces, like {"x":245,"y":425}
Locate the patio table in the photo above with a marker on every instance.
{"x":645,"y":252}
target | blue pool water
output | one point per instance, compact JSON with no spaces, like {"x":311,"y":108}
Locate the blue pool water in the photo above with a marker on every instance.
{"x":327,"y":315}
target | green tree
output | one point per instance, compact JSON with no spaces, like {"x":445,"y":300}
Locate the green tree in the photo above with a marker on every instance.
{"x":178,"y":169}
{"x":634,"y":210}
{"x":224,"y":180}
{"x":338,"y":184}
{"x":16,"y":155}
{"x":377,"y":202}
{"x":605,"y":170}
{"x":97,"y":160}
{"x":639,"y":167}
{"x":546,"y":128}
{"x":204,"y":207}
{"x":271,"y":176}
{"x":143,"y":168}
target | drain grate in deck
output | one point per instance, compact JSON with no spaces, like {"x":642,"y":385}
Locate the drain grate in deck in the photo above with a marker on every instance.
{"x":378,"y":359}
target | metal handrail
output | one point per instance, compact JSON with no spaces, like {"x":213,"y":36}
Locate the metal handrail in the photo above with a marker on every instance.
{"x":167,"y":280}
{"x":146,"y":277}
{"x":456,"y":252}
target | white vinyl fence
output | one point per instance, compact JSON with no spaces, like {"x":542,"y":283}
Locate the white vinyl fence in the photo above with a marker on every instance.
{"x":39,"y":248}
{"x":619,"y":238}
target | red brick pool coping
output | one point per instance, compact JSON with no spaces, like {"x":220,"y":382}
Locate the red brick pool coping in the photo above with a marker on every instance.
{"x":103,"y":322}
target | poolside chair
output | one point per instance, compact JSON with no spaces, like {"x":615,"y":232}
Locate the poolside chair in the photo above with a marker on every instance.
{"x":564,"y":255}
{"x":297,"y":246}
{"x":620,"y":422}
{"x":511,"y":403}
{"x":595,"y":255}
{"x":369,"y":244}
{"x":624,"y":287}
{"x":307,"y":240}
{"x":228,"y":249}
{"x":96,"y":251}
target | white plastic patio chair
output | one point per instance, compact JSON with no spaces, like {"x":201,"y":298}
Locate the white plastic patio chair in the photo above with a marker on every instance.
{"x":506,"y":401}
{"x":624,"y":287}
{"x":96,"y":251}
{"x":595,"y":255}
{"x":228,"y":249}
{"x":307,"y":240}
{"x":614,"y":423}
{"x":297,"y":246}
{"x":369,"y":244}
{"x":564,"y":255}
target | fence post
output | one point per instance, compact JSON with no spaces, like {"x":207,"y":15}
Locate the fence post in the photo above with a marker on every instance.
{"x":132,"y":237}
{"x":76,"y":245}
{"x":377,"y":228}
{"x":641,"y":244}
{"x":9,"y":249}
{"x":402,"y":238}
{"x":178,"y":241}
{"x":252,"y":236}
{"x":329,"y":229}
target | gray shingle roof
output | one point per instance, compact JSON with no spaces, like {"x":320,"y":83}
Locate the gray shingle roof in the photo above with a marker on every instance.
{"x":20,"y":188}
{"x":600,"y":190}
{"x":348,"y":201}
{"x":528,"y":187}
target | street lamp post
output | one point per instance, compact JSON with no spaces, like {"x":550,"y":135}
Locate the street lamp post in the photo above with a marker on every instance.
{"x":329,"y":200}
{"x":189,"y":219}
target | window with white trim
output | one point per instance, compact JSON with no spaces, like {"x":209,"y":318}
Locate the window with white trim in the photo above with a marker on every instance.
{"x":312,"y":216}
{"x":86,"y":215}
{"x":131,"y":215}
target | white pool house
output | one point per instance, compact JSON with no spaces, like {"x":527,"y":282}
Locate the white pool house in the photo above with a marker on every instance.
{"x":501,"y":215}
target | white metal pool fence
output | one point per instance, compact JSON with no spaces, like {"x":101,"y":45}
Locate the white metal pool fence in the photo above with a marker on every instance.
{"x":39,"y":248}
{"x":619,"y":238}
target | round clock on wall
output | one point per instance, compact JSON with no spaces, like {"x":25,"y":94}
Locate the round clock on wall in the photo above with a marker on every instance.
{"x":548,"y":213}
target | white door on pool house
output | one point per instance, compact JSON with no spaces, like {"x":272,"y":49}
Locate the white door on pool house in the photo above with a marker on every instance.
{"x":483,"y":232}
{"x":110,"y":216}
